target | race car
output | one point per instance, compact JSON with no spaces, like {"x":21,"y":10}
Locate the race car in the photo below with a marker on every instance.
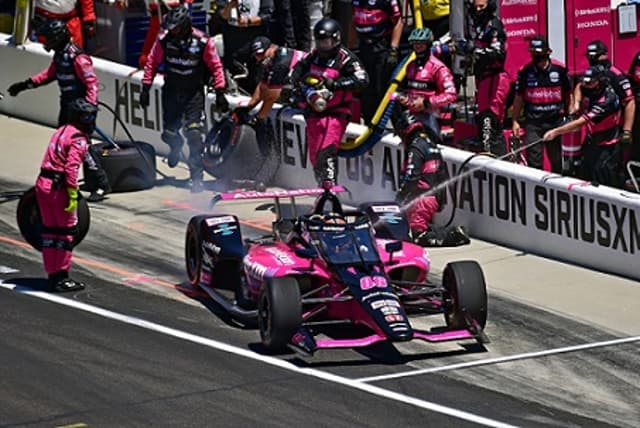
{"x":331,"y":266}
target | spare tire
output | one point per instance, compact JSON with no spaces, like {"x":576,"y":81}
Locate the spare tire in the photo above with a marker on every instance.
{"x":30,"y":221}
{"x":131,"y":167}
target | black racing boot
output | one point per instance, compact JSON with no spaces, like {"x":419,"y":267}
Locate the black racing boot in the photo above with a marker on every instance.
{"x":174,"y":156}
{"x":68,"y":284}
{"x":97,"y":195}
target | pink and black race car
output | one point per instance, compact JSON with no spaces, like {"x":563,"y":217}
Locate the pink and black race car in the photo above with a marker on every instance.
{"x":331,"y":266}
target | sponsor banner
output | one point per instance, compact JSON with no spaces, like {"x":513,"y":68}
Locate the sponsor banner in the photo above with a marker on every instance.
{"x":497,"y":201}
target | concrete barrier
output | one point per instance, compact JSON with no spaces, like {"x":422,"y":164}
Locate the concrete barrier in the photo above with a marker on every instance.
{"x":523,"y":208}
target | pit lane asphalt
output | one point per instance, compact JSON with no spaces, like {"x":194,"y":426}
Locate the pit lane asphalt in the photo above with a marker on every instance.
{"x":61,"y":365}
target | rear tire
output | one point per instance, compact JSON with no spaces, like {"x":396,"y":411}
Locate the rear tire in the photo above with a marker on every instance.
{"x":466,"y":289}
{"x":279,"y":312}
{"x":30,"y":220}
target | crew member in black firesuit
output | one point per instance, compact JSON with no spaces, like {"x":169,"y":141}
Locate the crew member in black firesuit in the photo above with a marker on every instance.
{"x":378,"y":24}
{"x":634,"y":78}
{"x":57,"y":192}
{"x":327,"y":78}
{"x":189,"y":57}
{"x":488,"y":53}
{"x":597,"y":55}
{"x":73,"y":70}
{"x":544,"y":91}
{"x":277,"y":66}
{"x":423,"y":171}
{"x":600,"y":112}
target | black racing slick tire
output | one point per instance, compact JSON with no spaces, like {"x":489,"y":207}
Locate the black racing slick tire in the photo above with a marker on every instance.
{"x":238,"y":157}
{"x":279,"y":312}
{"x":30,"y":220}
{"x":467,"y":294}
{"x":131,"y":167}
{"x":193,"y":250}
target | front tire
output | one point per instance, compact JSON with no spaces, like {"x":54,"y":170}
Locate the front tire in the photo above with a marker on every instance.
{"x":279,"y":312}
{"x":467,"y":292}
{"x":193,"y":251}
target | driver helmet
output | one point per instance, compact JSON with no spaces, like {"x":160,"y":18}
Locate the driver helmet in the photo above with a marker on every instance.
{"x":178,"y":22}
{"x":329,"y":218}
{"x":327,"y":34}
{"x":53,"y":34}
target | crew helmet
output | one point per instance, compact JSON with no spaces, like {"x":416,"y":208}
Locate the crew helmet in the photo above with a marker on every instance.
{"x":83,"y":114}
{"x":53,"y":34}
{"x":327,"y":34}
{"x":178,"y":21}
{"x":421,"y":35}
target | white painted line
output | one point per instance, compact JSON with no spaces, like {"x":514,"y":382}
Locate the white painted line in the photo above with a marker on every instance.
{"x":355,"y":384}
{"x":502,"y":359}
{"x":7,"y":269}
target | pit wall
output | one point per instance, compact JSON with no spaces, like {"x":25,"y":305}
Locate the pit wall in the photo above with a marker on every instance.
{"x":526,"y":209}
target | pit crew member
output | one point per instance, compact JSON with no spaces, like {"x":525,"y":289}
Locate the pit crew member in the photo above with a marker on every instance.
{"x":328,"y":76}
{"x":57,"y":192}
{"x":189,"y":55}
{"x":544,"y":92}
{"x":602,"y":156}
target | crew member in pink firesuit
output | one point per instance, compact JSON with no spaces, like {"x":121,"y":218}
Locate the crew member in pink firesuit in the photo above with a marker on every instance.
{"x":544,"y":92}
{"x":487,"y":48}
{"x":73,"y":69}
{"x":78,"y":15}
{"x":421,"y":192}
{"x":428,"y":85}
{"x":337,"y":72}
{"x":57,"y":192}
{"x":189,"y":56}
{"x":600,"y":112}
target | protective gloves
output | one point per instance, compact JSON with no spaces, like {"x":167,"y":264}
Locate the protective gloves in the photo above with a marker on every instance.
{"x":73,"y":199}
{"x":464,"y":47}
{"x":222,"y":105}
{"x":626,"y":138}
{"x":329,"y":83}
{"x":144,"y":96}
{"x":392,"y":59}
{"x":18,"y":87}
